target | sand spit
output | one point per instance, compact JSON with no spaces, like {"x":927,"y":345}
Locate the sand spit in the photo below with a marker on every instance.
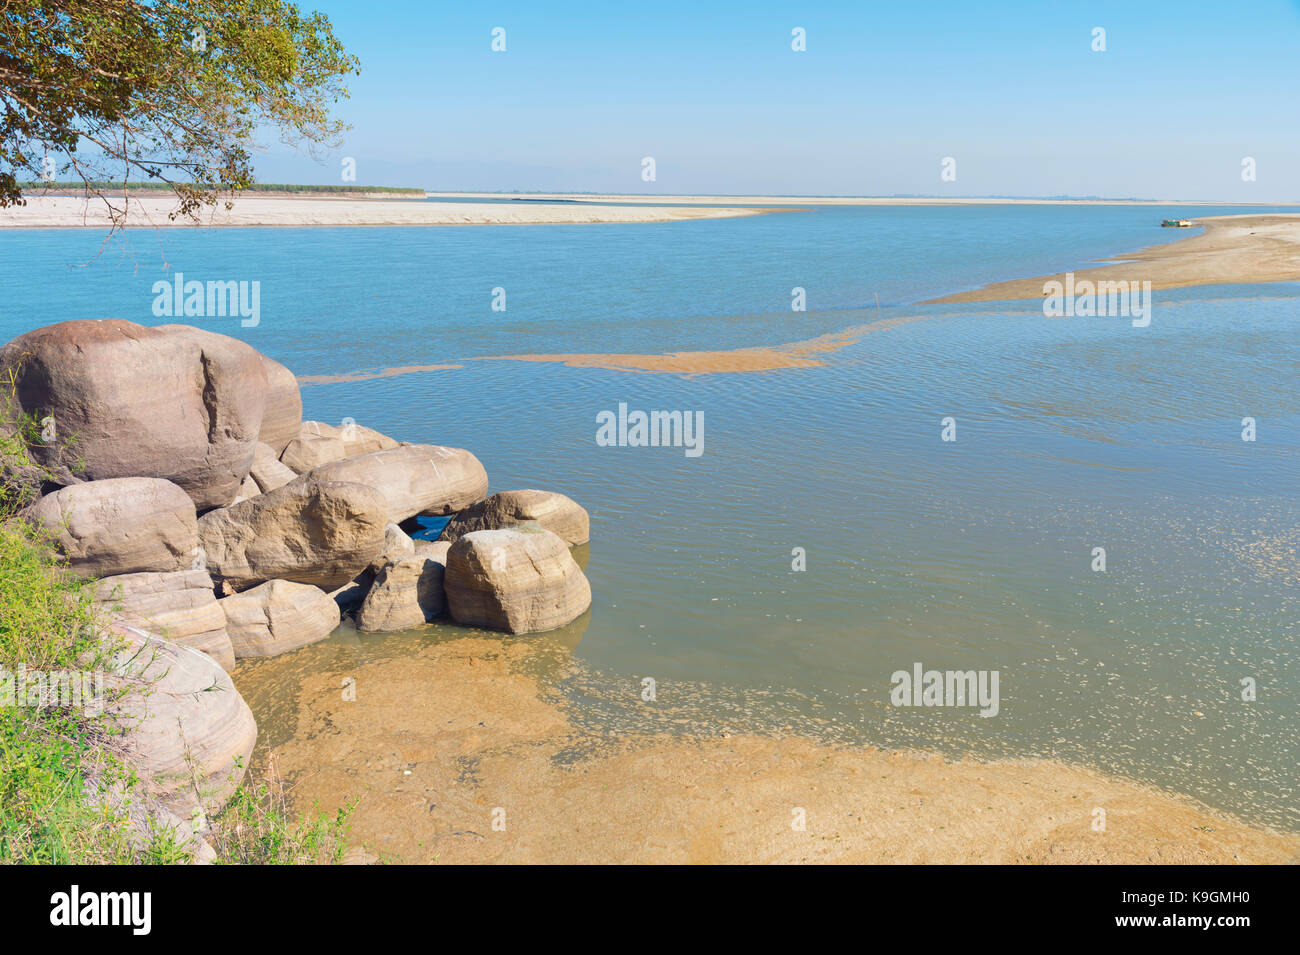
{"x":45,"y":212}
{"x":1232,"y":249}
{"x":801,"y":354}
{"x":369,"y":375}
{"x":440,"y":743}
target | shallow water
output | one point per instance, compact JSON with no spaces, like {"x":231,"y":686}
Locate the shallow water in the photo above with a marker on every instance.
{"x":1072,"y":434}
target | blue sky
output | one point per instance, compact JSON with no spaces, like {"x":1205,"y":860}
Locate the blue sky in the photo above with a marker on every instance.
{"x":885,"y":91}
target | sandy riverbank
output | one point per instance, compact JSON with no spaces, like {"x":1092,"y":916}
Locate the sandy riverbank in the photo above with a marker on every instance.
{"x":1232,"y":249}
{"x":441,"y":736}
{"x":45,"y":212}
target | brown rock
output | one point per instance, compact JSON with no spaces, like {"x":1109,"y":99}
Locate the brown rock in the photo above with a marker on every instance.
{"x":519,"y":580}
{"x":357,"y":439}
{"x":121,"y":525}
{"x":558,"y":514}
{"x":283,"y":418}
{"x":130,"y":401}
{"x":179,"y":607}
{"x":309,"y":531}
{"x":406,"y":593}
{"x":309,"y":451}
{"x":267,"y":470}
{"x":186,"y":728}
{"x":277,"y":617}
{"x":415,"y":478}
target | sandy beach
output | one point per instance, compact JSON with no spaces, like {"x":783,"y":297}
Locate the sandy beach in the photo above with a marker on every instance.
{"x":1232,"y":249}
{"x":439,"y":738}
{"x":49,"y":212}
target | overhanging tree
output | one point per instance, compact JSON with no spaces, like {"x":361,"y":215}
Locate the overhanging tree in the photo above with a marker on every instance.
{"x":174,"y":92}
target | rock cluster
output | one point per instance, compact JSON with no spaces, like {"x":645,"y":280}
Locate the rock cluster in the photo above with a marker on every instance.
{"x":176,"y":469}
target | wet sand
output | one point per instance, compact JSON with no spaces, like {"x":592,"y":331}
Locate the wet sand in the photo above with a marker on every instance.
{"x":1232,"y":249}
{"x":447,"y":737}
{"x":43,"y":212}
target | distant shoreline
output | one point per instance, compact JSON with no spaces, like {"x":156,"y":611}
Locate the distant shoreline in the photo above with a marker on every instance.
{"x":618,"y":198}
{"x":152,"y":211}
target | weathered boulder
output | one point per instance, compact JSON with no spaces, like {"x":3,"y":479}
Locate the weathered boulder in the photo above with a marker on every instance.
{"x":178,"y":606}
{"x":317,"y":443}
{"x":277,"y":617}
{"x":519,"y":580}
{"x":267,"y":470}
{"x":308,"y":450}
{"x":183,"y":405}
{"x":415,"y":478}
{"x":309,"y":531}
{"x":558,"y":514}
{"x":185,"y":726}
{"x":406,"y":593}
{"x":356,"y":438}
{"x":283,"y":417}
{"x":121,"y":525}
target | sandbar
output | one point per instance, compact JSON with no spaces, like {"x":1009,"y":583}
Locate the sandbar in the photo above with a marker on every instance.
{"x":1237,"y":249}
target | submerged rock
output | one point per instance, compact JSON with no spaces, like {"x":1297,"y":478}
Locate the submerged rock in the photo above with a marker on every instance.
{"x":518,"y":580}
{"x":558,"y":514}
{"x":278,"y":616}
{"x":179,"y":606}
{"x":121,"y":525}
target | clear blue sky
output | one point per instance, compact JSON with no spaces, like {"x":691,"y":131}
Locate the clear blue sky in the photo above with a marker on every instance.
{"x":1013,"y":91}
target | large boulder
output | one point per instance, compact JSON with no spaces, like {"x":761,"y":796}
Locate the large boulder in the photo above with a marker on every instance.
{"x":283,"y":418}
{"x":184,"y":725}
{"x":124,"y":400}
{"x":267,"y":470}
{"x":277,"y":617}
{"x":406,"y":593}
{"x":414,"y":478}
{"x":309,"y":531}
{"x":560,"y":515}
{"x":519,"y":580}
{"x":178,"y":606}
{"x":121,"y":525}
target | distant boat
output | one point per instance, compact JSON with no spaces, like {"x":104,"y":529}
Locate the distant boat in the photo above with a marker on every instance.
{"x":1177,"y":224}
